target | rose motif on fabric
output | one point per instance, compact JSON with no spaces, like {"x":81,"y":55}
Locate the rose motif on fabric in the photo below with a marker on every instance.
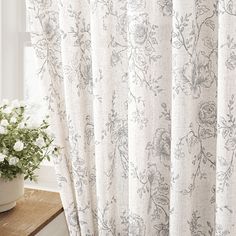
{"x":123,"y":151}
{"x":162,"y":143}
{"x":207,"y":117}
{"x":156,"y":181}
{"x":135,"y":4}
{"x":122,"y":20}
{"x":166,"y":7}
{"x":136,"y":225}
{"x":228,"y":6}
{"x":51,"y":26}
{"x":85,"y":72}
{"x":159,"y":192}
{"x":79,"y":71}
{"x":162,"y":229}
{"x":207,"y":113}
{"x":115,"y":58}
{"x":140,"y":61}
{"x":194,"y":76}
{"x":120,"y":137}
{"x":119,"y":130}
{"x":231,"y":61}
{"x":161,"y":146}
{"x":230,"y":145}
{"x":42,"y":4}
{"x":72,"y":215}
{"x":89,"y":131}
{"x":138,"y":30}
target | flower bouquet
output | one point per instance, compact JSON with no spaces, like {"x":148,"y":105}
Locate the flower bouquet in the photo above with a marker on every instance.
{"x":23,"y":146}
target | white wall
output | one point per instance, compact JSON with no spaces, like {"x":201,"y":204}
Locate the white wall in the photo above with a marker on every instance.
{"x":12,"y":23}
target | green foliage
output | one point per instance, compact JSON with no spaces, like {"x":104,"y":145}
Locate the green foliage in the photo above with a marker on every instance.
{"x":23,"y":146}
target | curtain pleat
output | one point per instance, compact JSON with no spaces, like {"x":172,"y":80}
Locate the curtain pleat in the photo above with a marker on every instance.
{"x":194,"y":72}
{"x":225,"y":174}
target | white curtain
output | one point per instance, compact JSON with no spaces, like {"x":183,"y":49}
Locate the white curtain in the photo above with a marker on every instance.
{"x":143,"y":99}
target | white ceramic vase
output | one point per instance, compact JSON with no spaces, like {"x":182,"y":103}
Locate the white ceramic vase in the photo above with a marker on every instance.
{"x":10,"y":192}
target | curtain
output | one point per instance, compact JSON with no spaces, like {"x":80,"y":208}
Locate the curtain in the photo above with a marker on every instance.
{"x":142,"y":95}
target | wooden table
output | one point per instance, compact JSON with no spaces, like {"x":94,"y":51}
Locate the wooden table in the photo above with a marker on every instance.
{"x":32,"y":213}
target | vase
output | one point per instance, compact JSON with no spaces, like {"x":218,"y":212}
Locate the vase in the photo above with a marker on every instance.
{"x":10,"y":192}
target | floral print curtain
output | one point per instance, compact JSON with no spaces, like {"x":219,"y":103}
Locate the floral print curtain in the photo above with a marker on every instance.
{"x":143,"y":99}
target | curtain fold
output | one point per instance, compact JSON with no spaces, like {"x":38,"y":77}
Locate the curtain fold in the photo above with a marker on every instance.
{"x":225,"y":174}
{"x":142,"y":100}
{"x":194,"y":73}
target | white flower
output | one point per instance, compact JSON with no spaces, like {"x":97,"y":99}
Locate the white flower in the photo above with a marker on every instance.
{"x":2,"y":157}
{"x":5,"y":151}
{"x":2,"y":130}
{"x":13,"y":120}
{"x":5,"y":102}
{"x":15,"y":103}
{"x":32,"y":124}
{"x":19,"y":146}
{"x":7,"y":110}
{"x":4,"y":123}
{"x":13,"y":160}
{"x":21,"y":125}
{"x":39,"y":142}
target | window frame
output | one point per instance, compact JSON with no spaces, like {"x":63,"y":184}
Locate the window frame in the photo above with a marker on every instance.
{"x":12,"y":27}
{"x":13,"y":40}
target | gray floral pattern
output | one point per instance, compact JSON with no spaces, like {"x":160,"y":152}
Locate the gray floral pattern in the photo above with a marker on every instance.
{"x":142,"y":98}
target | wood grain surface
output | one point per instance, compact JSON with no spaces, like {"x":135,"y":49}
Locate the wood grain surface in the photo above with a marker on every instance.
{"x":33,"y":212}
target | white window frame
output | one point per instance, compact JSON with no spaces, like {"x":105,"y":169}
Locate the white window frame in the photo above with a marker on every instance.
{"x":13,"y":40}
{"x":12,"y":26}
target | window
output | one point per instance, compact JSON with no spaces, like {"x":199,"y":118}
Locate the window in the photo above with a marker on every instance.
{"x":18,"y":79}
{"x":11,"y":49}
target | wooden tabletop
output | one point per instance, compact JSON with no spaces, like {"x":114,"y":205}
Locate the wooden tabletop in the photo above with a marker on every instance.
{"x":33,"y":212}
